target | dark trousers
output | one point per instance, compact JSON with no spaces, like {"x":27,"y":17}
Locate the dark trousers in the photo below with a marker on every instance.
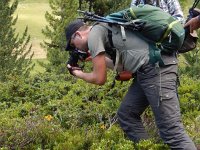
{"x":157,"y":87}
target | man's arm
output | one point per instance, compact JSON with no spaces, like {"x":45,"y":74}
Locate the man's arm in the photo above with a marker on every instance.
{"x":194,"y":24}
{"x":98,"y":75}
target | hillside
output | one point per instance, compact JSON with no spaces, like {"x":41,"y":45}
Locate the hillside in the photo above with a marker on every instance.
{"x":32,"y":14}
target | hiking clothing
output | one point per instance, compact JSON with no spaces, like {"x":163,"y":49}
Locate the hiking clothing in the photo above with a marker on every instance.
{"x":156,"y":87}
{"x":170,"y":6}
{"x":134,"y":52}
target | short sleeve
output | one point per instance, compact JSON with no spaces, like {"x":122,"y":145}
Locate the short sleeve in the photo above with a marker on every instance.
{"x":97,"y":40}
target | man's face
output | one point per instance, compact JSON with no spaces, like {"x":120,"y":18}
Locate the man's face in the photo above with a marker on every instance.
{"x":78,"y":40}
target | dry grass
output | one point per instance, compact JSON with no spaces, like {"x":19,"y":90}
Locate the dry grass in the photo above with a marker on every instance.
{"x":31,"y":14}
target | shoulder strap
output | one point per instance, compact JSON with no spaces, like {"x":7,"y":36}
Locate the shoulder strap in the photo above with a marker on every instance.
{"x":111,"y":51}
{"x":116,"y":56}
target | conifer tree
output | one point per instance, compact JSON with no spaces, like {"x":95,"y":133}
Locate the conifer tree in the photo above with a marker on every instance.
{"x":103,"y":7}
{"x":13,"y":49}
{"x":62,"y":12}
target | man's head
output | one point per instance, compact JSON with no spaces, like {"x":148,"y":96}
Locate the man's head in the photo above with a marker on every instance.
{"x":76,"y":35}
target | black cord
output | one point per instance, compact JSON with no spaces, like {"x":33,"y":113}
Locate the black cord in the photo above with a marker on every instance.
{"x":195,"y":4}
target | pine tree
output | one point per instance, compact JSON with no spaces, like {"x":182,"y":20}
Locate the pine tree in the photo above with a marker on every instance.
{"x":103,"y":7}
{"x":62,"y":12}
{"x":13,"y":49}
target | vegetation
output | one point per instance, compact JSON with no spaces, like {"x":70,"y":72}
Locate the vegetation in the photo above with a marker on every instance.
{"x":53,"y":110}
{"x":31,"y":13}
{"x":13,"y":49}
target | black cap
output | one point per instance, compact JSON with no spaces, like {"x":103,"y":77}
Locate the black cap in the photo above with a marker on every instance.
{"x":71,"y":29}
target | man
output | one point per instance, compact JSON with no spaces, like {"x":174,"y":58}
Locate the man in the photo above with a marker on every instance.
{"x":170,"y":6}
{"x":194,"y":24}
{"x":153,"y":85}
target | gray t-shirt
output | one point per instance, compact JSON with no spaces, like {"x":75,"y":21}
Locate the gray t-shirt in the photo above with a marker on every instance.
{"x":134,"y":52}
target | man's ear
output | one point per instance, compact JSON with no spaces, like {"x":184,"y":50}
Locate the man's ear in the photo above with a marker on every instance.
{"x":79,"y":34}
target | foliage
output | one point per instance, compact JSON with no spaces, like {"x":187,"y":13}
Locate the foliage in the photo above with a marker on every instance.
{"x":13,"y":49}
{"x":192,"y":125}
{"x":189,"y":94}
{"x":63,"y":11}
{"x":38,"y":89}
{"x":192,"y":60}
{"x":190,"y":105}
{"x":24,"y":132}
{"x":103,"y":7}
{"x":151,"y":145}
{"x":58,"y":111}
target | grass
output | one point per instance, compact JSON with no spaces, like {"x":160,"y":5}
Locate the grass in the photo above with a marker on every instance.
{"x":33,"y":1}
{"x":31,"y":13}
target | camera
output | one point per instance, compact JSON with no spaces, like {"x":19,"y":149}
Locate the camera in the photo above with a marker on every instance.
{"x":76,"y":55}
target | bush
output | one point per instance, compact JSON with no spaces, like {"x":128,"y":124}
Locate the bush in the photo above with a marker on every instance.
{"x":58,"y":111}
{"x":30,"y":132}
{"x":189,"y":94}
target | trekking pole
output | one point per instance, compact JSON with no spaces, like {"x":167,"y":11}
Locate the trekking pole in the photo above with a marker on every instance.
{"x":135,"y":25}
{"x":93,"y":17}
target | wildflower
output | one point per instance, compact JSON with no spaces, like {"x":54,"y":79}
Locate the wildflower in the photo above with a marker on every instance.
{"x":48,"y":117}
{"x":103,"y":126}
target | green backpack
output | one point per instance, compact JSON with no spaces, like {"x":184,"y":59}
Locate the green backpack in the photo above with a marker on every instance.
{"x":160,"y":29}
{"x":163,"y":31}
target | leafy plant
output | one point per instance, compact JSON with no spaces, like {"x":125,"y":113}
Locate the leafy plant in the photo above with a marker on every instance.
{"x":14,"y":51}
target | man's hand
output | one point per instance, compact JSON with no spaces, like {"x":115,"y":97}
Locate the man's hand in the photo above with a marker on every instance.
{"x":194,"y":24}
{"x":73,"y":70}
{"x":97,"y":75}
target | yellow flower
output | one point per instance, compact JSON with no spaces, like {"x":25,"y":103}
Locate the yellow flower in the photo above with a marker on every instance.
{"x":48,"y":117}
{"x":103,"y":126}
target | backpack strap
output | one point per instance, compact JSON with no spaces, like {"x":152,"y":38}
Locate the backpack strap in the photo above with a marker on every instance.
{"x":111,"y":31}
{"x":116,"y":60}
{"x":167,"y":32}
{"x":123,"y":33}
{"x":113,"y":51}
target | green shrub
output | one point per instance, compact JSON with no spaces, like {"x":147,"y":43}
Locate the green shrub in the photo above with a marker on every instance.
{"x":39,"y":89}
{"x":29,"y":133}
{"x":151,"y":145}
{"x":51,"y":111}
{"x":189,"y":94}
